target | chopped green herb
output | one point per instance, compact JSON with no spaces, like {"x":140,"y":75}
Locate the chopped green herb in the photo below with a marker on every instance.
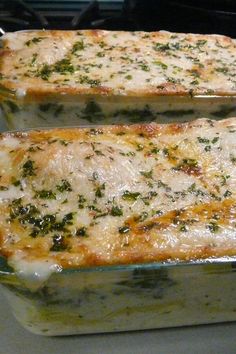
{"x":78,"y":46}
{"x":203,"y":140}
{"x":163,"y":185}
{"x":224,"y":70}
{"x":224,"y":179}
{"x":201,"y":42}
{"x":45,"y":72}
{"x":166,"y":152}
{"x":144,"y":67}
{"x":213,"y":227}
{"x":3,"y":188}
{"x":162,"y":47}
{"x":100,"y":54}
{"x":24,"y":213}
{"x":34,"y":57}
{"x":215,"y":139}
{"x":207,"y":148}
{"x":28,"y":168}
{"x":157,"y":212}
{"x":147,"y":174}
{"x":232,"y":158}
{"x":82,"y":232}
{"x":45,"y":194}
{"x":64,"y":186}
{"x":81,"y":201}
{"x":192,"y":188}
{"x":116,"y":211}
{"x":183,"y":228}
{"x":99,"y":189}
{"x":59,"y":243}
{"x":162,"y":65}
{"x":64,"y":142}
{"x":102,"y":44}
{"x":64,"y":66}
{"x":86,"y":80}
{"x":155,"y":150}
{"x":15,"y":182}
{"x":186,"y":163}
{"x":129,"y":196}
{"x":34,"y":148}
{"x":67,"y":218}
{"x":140,"y":147}
{"x":143,"y":216}
{"x":99,"y":152}
{"x":92,"y":207}
{"x":34,"y":40}
{"x":227,"y":194}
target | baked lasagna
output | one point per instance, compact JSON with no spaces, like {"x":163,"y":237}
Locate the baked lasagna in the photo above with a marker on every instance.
{"x":119,"y":194}
{"x":57,"y":78}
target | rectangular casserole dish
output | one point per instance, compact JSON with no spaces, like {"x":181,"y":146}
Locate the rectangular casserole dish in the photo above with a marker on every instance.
{"x":120,"y":227}
{"x":62,"y":78}
{"x":124,"y":298}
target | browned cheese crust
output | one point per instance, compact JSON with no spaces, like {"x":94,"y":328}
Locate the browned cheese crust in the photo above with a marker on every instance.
{"x":119,"y":194}
{"x":98,"y":62}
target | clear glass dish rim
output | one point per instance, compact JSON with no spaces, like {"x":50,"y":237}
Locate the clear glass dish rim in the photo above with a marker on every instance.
{"x":5,"y":269}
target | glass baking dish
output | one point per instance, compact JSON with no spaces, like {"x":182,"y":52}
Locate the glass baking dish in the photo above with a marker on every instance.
{"x":67,"y":78}
{"x":124,"y":297}
{"x":53,"y":110}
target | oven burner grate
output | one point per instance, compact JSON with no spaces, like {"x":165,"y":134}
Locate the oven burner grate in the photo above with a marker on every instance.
{"x":17,"y":14}
{"x":203,"y":16}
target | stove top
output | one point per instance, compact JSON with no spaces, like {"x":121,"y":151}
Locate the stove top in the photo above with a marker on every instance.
{"x":202,"y":16}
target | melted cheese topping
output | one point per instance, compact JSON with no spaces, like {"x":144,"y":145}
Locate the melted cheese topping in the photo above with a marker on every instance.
{"x":121,"y":194}
{"x":119,"y":63}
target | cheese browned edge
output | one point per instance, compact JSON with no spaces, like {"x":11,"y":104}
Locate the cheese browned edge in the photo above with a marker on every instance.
{"x":117,"y":63}
{"x":119,"y":194}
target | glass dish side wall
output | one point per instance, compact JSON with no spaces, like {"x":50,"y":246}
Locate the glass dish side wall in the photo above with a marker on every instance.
{"x":64,"y":110}
{"x":126,"y":298}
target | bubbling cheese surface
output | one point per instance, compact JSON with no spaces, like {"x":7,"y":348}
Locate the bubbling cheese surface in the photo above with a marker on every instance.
{"x":118,"y":63}
{"x":119,"y":194}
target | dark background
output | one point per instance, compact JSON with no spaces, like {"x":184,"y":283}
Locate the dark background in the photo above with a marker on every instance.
{"x":197,"y":16}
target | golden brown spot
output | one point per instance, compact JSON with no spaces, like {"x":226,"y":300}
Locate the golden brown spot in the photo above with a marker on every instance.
{"x":224,"y":212}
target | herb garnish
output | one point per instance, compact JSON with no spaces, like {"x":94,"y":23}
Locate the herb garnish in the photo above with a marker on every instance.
{"x":64,"y":186}
{"x":34,"y":40}
{"x":82,"y":232}
{"x":129,"y":196}
{"x":28,"y":168}
{"x":45,"y":194}
{"x":59,"y":243}
{"x":116,"y":211}
{"x":147,"y":174}
{"x":213,"y":227}
{"x":99,"y":189}
{"x":78,"y":46}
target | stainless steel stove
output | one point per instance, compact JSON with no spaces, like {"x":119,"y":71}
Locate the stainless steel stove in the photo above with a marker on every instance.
{"x":197,"y":16}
